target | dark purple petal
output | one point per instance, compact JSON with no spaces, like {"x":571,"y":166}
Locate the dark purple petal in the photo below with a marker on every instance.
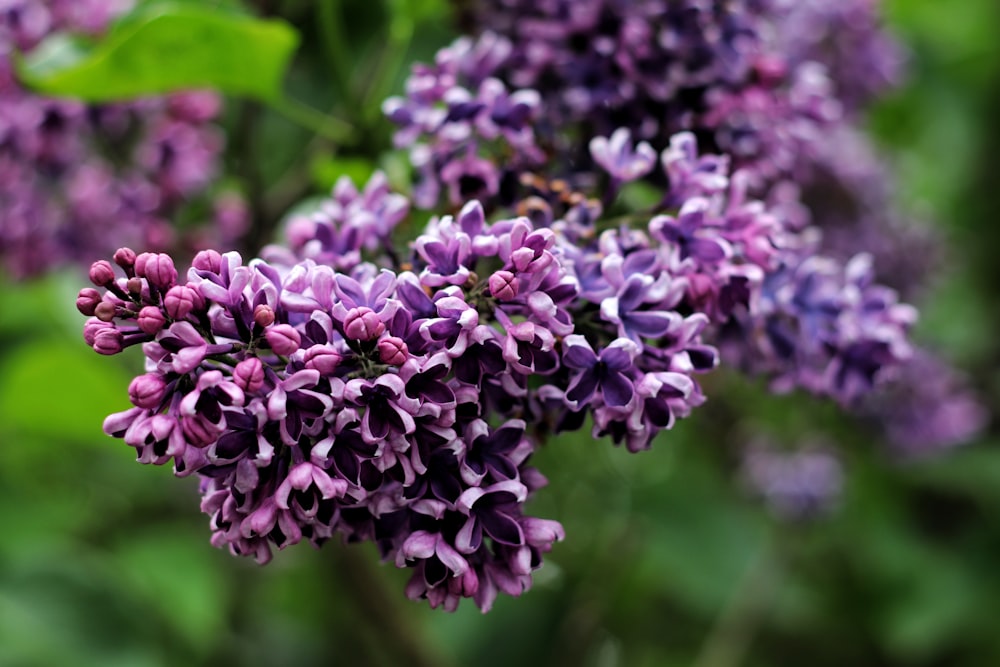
{"x":502,"y":528}
{"x":582,"y":387}
{"x":617,"y":390}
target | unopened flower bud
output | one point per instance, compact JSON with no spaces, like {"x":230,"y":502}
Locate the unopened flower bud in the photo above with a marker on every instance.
{"x":147,"y":391}
{"x":108,"y":341}
{"x":102,"y":273}
{"x":208,"y":260}
{"x":363,"y":324}
{"x":263,"y":315}
{"x":93,"y":327}
{"x":393,"y":351}
{"x":772,"y":70}
{"x":157,"y":268}
{"x":504,"y":285}
{"x":152,"y":320}
{"x":322,"y":358}
{"x":87,"y":301}
{"x":105,"y":311}
{"x":180,"y":300}
{"x":283,"y":339}
{"x":125,"y":258}
{"x":134,"y":285}
{"x":199,"y":431}
{"x":249,"y":374}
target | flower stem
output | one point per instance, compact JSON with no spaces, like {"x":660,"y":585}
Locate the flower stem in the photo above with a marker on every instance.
{"x":321,"y":124}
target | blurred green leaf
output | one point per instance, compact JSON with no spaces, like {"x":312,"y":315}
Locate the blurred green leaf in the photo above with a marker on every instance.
{"x":167,"y":568}
{"x":327,"y":170}
{"x":72,"y":388}
{"x":164,"y":48}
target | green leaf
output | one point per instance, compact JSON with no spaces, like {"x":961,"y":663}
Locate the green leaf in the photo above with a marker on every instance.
{"x":165,"y":48}
{"x":55,"y":390}
{"x":326,"y":171}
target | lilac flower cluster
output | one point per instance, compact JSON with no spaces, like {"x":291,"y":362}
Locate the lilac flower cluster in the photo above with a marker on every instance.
{"x":751,"y":80}
{"x":756,"y":79}
{"x":928,"y":408}
{"x":848,"y":37}
{"x":795,"y":484}
{"x":825,"y":328}
{"x":316,"y":393}
{"x":77,"y":175}
{"x":313,"y":403}
{"x":345,"y":384}
{"x":476,"y":122}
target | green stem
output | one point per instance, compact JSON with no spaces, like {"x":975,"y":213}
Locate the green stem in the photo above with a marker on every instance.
{"x":365,"y":586}
{"x":330,"y":16}
{"x":302,"y":114}
{"x":389,"y":65}
{"x":732,"y":635}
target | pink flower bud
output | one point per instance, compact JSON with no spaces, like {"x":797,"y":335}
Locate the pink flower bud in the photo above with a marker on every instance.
{"x":134,"y":285}
{"x":151,"y":320}
{"x":504,"y":285}
{"x":87,"y":301}
{"x":92,"y":327}
{"x":199,"y":431}
{"x":102,"y":273}
{"x":105,"y":311}
{"x":323,"y":359}
{"x":249,"y":374}
{"x":772,"y":70}
{"x":363,"y":324}
{"x":147,"y":391}
{"x":393,"y":351}
{"x":283,"y":338}
{"x":125,"y":258}
{"x":157,"y":268}
{"x":208,"y":260}
{"x":180,"y":300}
{"x":108,"y":341}
{"x":263,"y":315}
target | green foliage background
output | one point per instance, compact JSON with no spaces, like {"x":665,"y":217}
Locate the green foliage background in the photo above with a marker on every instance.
{"x":666,"y":562}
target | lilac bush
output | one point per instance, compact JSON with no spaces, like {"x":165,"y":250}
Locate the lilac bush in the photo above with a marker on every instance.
{"x":353,"y":382}
{"x":81,"y":179}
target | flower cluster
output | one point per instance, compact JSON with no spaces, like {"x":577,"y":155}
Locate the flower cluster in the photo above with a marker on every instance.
{"x":472,"y":122}
{"x":76,"y":176}
{"x":402,"y":406}
{"x":313,"y":402}
{"x":749,"y":80}
{"x":848,"y":37}
{"x":795,"y":484}
{"x":928,"y":408}
{"x":346,"y":384}
{"x":825,"y":328}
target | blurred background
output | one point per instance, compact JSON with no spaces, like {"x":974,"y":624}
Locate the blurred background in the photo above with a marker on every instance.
{"x":669,"y":558}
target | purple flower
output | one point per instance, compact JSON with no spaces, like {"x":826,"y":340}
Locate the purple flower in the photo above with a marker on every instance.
{"x":607,"y":372}
{"x":491,"y":512}
{"x":388,"y":410}
{"x":617,"y":157}
{"x":304,"y":488}
{"x":625,"y":310}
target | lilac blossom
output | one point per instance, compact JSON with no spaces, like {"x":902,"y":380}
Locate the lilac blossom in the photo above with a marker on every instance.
{"x":928,"y":408}
{"x":344,"y":384}
{"x":64,"y":197}
{"x":795,"y":484}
